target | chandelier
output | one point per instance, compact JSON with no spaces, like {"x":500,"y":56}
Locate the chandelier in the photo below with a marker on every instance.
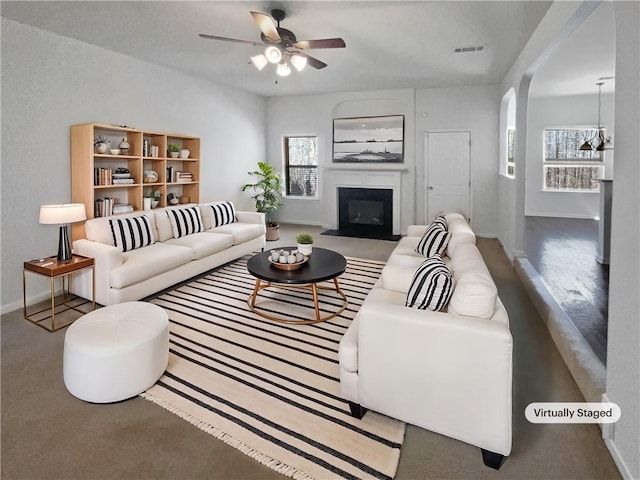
{"x":599,"y":142}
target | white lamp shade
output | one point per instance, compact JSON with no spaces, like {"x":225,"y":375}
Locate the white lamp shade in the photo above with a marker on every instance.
{"x":283,"y":69}
{"x":273,"y":54}
{"x":61,"y":214}
{"x":260,"y":61}
{"x":299,"y":62}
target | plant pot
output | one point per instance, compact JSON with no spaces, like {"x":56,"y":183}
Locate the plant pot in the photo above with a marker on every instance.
{"x":174,"y":154}
{"x":305,"y":248}
{"x":154,"y":203}
{"x":273,"y":233}
{"x":101,"y":148}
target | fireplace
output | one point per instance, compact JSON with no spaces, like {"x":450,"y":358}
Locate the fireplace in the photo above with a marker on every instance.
{"x":365,"y":212}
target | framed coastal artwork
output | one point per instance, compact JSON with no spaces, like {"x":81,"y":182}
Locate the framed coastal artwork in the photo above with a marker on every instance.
{"x":369,"y":139}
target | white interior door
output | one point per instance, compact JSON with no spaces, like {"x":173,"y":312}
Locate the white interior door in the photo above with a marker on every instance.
{"x":447,"y":180}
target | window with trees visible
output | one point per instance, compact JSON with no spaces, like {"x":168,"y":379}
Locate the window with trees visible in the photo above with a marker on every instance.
{"x":301,"y":166}
{"x":511,"y":150}
{"x":566,"y":167}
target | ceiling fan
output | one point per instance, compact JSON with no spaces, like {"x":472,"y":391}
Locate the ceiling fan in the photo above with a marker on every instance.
{"x":282,"y":46}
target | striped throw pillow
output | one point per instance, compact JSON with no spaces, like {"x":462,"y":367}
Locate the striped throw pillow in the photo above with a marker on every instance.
{"x":222,"y":213}
{"x":434,"y":241}
{"x":130,"y":233}
{"x":442,"y":221}
{"x":185,"y":221}
{"x":431,"y":286}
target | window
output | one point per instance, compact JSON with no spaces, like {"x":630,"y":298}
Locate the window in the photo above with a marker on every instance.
{"x":566,"y":167}
{"x":511,"y":150}
{"x":301,"y":166}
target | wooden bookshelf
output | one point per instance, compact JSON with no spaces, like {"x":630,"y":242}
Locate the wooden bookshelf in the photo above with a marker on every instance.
{"x":85,"y":158}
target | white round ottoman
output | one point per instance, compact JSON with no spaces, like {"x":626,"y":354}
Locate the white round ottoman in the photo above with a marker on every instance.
{"x":116,"y":352}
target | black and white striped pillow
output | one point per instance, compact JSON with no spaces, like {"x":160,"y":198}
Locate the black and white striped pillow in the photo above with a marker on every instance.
{"x":222,"y":213}
{"x":185,"y":221}
{"x":431,"y":287}
{"x":130,"y":233}
{"x":434,"y":241}
{"x":442,"y":221}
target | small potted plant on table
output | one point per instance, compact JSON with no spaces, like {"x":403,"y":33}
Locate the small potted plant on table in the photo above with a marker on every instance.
{"x":268,"y":196}
{"x":305,"y":243}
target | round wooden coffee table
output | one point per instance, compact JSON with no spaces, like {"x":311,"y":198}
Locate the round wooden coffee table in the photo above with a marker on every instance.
{"x":323,"y":265}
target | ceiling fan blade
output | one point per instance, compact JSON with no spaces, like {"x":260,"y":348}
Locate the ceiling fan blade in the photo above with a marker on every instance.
{"x":313,"y":61}
{"x":265,"y":23}
{"x":321,"y":43}
{"x":226,"y":39}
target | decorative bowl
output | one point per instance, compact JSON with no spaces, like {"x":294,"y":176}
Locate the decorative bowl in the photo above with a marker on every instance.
{"x":288,"y":266}
{"x":150,"y":176}
{"x":114,"y":151}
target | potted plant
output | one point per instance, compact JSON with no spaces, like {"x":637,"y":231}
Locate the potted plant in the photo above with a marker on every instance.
{"x":267,"y":195}
{"x":305,"y":243}
{"x":174,"y":150}
{"x":100,"y":144}
{"x":155,"y":200}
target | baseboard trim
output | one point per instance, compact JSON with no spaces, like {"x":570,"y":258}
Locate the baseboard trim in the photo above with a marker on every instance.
{"x":586,"y":368}
{"x":617,"y":459}
{"x":561,"y":215}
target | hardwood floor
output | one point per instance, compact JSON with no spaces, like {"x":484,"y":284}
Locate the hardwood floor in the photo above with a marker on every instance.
{"x":563,"y":251}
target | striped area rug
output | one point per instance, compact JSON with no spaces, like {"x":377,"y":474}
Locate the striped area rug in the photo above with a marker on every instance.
{"x":271,"y":389}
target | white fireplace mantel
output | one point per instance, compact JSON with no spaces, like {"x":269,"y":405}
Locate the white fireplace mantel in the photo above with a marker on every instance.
{"x":388,"y":177}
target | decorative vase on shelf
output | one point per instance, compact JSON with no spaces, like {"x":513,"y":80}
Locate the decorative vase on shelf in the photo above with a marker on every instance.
{"x":184,"y":153}
{"x":101,"y":148}
{"x":124,"y":147}
{"x":146,"y":203}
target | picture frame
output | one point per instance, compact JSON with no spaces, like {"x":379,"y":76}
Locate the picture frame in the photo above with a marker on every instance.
{"x":368,"y":139}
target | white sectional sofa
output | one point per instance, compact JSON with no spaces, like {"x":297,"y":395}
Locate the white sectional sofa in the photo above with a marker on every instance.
{"x":122,"y":276}
{"x":450,"y":373}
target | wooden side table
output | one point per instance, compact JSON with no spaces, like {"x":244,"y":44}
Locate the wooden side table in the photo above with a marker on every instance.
{"x":50,"y":267}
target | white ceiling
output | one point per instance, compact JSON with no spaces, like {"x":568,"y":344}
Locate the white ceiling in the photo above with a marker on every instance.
{"x":390,"y":44}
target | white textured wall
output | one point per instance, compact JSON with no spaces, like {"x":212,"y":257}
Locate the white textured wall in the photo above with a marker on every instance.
{"x":313,"y":115}
{"x":461,"y":108}
{"x":550,"y":112}
{"x":623,"y":354}
{"x":50,"y":82}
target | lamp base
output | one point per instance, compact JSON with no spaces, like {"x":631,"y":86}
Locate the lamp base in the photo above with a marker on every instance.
{"x":64,"y":245}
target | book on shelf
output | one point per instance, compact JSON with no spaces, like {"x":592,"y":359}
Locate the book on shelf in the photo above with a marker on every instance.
{"x":185,"y":177}
{"x":104,"y":207}
{"x":123,"y":181}
{"x":102,"y":176}
{"x":120,"y":208}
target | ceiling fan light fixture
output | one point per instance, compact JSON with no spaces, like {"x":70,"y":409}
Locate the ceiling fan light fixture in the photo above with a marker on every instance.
{"x":260,"y":61}
{"x":298,"y":62}
{"x":273,"y":54}
{"x":283,"y":69}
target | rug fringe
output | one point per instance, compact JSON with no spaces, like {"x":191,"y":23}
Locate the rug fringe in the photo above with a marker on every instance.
{"x":265,"y":460}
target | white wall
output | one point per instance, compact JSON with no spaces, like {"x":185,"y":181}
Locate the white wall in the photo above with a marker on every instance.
{"x":475,"y":109}
{"x":50,"y":82}
{"x":313,"y":115}
{"x":623,"y":354}
{"x":461,"y":108}
{"x":565,"y":111}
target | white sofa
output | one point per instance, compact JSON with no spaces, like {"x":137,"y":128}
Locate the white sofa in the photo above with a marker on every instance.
{"x":449,"y":373}
{"x":135,"y":274}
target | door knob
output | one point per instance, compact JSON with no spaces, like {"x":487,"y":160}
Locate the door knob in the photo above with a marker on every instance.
{"x":430,"y":187}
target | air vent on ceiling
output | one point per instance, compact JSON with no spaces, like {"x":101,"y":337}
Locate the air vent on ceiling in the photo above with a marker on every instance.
{"x":469,"y":49}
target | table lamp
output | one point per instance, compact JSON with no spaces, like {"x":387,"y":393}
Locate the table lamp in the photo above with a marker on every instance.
{"x":62,"y":215}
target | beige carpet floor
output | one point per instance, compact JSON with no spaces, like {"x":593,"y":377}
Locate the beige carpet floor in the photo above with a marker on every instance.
{"x":49,"y":434}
